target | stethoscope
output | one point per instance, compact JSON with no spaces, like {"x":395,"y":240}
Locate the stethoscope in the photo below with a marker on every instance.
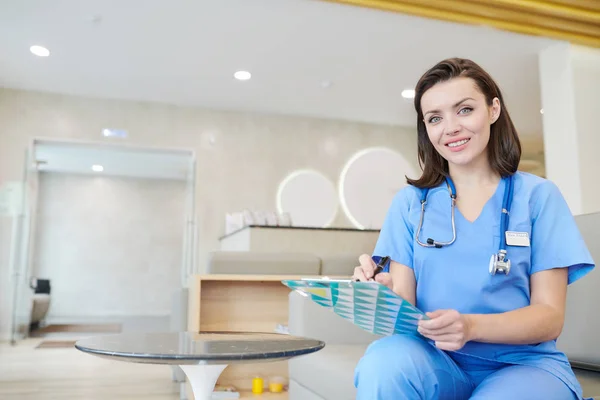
{"x":498,"y":262}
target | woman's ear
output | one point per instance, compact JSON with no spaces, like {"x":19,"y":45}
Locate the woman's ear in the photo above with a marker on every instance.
{"x":495,"y":110}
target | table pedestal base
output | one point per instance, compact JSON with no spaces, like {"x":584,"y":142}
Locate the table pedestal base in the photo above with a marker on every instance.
{"x":203,"y":379}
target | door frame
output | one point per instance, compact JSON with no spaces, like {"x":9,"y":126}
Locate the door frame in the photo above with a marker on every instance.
{"x":25,"y":223}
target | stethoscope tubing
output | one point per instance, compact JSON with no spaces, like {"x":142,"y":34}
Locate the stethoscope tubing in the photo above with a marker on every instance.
{"x":506,"y":205}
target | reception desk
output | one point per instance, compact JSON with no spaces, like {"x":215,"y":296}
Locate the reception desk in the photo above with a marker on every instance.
{"x":300,"y":239}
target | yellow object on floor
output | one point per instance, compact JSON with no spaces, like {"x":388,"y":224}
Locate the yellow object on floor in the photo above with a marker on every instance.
{"x":276,"y":384}
{"x":276,"y":387}
{"x":257,"y":385}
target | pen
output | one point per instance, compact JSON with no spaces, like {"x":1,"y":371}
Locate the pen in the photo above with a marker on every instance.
{"x":381,"y":265}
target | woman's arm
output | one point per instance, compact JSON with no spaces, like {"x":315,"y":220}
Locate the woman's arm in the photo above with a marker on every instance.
{"x":541,"y":321}
{"x":404,"y":282}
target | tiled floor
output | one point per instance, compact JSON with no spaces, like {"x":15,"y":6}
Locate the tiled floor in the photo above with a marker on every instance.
{"x":27,"y":373}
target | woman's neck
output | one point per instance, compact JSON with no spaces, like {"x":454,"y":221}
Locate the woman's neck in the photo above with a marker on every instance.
{"x":477,"y":173}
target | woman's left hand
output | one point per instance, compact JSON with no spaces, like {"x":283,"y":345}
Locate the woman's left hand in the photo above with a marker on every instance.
{"x":449,"y":329}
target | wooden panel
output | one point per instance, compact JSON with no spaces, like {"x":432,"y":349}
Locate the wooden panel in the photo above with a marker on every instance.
{"x":241,"y":303}
{"x":543,"y":8}
{"x":522,"y":12}
{"x":593,"y":5}
{"x":248,"y":278}
{"x":255,"y":306}
{"x":574,"y":21}
{"x":241,"y":375}
{"x":265,"y":396}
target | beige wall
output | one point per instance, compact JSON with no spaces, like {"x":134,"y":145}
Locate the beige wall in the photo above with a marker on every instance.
{"x":250,"y":155}
{"x":570,"y":82}
{"x":110,"y":246}
{"x":586,"y":87}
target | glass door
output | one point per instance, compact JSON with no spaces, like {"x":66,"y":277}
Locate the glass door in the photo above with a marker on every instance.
{"x":188,"y":265}
{"x":24,"y":203}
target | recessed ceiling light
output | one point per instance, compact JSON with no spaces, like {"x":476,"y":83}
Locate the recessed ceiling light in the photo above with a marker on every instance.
{"x":40,"y":51}
{"x":96,"y":19}
{"x":408,"y":93}
{"x":119,"y":133}
{"x":97,"y":168}
{"x":542,"y":111}
{"x":242,"y":75}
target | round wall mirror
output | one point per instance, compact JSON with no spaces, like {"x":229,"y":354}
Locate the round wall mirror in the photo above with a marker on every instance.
{"x":368,"y":183}
{"x":309,"y":197}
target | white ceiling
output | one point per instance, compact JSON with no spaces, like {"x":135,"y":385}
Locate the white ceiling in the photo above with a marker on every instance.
{"x":185,"y":52}
{"x":122,"y":161}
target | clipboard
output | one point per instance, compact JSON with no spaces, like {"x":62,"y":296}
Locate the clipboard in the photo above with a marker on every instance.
{"x":369,"y":305}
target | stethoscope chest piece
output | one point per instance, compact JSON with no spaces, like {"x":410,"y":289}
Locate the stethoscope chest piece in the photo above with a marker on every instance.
{"x":499,"y":263}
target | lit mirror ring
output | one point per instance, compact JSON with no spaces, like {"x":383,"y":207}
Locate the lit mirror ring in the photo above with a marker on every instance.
{"x":309,"y":197}
{"x":368,"y":183}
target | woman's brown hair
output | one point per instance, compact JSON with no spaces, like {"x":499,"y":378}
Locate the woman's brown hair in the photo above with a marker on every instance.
{"x":504,"y":147}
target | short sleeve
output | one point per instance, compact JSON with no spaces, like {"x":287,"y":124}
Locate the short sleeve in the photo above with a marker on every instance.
{"x":555,"y":238}
{"x":396,"y":235}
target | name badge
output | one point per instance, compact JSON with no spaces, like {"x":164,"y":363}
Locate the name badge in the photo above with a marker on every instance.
{"x":517,"y":239}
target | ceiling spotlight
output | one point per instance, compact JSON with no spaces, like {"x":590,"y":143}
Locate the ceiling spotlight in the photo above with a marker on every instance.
{"x":97,"y":168}
{"x":408,"y":93}
{"x":96,"y":19}
{"x":118,"y":133}
{"x":40,"y":51}
{"x":242,"y":75}
{"x":542,"y":111}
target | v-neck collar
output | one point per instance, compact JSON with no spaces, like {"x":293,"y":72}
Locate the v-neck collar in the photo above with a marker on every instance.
{"x":500,"y":187}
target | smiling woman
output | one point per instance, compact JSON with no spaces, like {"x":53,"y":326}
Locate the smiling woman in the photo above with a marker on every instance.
{"x":458,"y":94}
{"x":493,"y":321}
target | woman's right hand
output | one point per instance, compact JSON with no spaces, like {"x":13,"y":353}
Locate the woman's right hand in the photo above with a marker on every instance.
{"x":365,"y":272}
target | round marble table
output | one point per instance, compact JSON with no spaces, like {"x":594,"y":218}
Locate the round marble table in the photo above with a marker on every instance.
{"x":202,"y":356}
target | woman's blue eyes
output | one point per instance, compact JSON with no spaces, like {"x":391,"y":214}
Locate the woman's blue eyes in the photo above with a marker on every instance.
{"x":463,"y":111}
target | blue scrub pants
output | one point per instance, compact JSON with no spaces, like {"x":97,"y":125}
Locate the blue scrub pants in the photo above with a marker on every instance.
{"x":406,"y":367}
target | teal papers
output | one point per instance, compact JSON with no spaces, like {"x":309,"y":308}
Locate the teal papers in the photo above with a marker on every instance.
{"x":370,"y":305}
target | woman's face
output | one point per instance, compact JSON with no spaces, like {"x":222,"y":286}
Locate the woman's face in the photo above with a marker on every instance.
{"x":458,"y":120}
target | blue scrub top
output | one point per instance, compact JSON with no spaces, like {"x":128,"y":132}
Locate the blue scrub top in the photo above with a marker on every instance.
{"x":457,"y":276}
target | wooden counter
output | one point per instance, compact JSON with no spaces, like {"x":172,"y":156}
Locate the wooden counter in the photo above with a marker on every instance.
{"x":240,"y":303}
